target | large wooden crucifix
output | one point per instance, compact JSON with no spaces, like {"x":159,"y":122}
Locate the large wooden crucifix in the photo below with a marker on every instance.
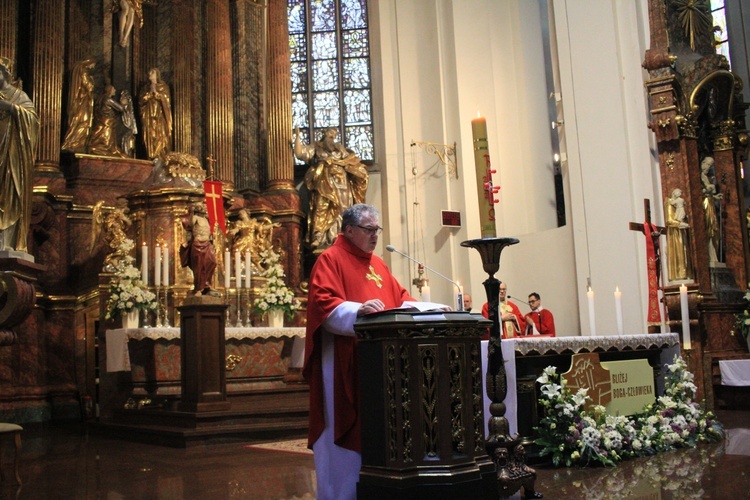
{"x":653,"y":262}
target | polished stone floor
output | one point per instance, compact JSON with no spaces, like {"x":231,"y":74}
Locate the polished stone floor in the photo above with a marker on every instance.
{"x":64,"y":462}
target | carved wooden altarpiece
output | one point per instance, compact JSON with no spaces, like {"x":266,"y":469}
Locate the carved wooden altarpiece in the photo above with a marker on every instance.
{"x":698,"y":118}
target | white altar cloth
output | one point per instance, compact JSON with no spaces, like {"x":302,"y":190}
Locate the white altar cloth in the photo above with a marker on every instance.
{"x":669,"y":342}
{"x":118,"y":357}
{"x":735,"y":372}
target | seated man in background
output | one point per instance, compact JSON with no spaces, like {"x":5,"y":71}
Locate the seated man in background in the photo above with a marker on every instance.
{"x":539,"y":321}
{"x":509,"y":315}
{"x":467,"y":302}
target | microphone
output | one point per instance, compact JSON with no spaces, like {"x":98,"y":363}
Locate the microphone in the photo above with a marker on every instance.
{"x":391,"y":248}
{"x":519,"y":300}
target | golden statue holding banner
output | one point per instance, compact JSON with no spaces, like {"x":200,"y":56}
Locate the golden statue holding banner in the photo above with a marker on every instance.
{"x":336,"y":179}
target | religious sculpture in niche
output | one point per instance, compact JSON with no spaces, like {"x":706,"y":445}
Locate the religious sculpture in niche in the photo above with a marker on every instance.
{"x":129,"y":11}
{"x":111,"y":224}
{"x":103,"y":140}
{"x":679,"y":261}
{"x":80,"y":107}
{"x":336,"y":180}
{"x":19,"y":135}
{"x":712,"y":200}
{"x":156,"y":115}
{"x":252,"y":235}
{"x":197,"y":251}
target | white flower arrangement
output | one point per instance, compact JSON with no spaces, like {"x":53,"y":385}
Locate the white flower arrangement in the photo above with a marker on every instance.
{"x":575,"y":436}
{"x":126,"y":290}
{"x":274,"y":294}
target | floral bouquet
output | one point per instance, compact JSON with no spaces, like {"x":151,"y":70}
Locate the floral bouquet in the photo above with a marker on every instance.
{"x":126,"y":290}
{"x":742,"y":322}
{"x":575,"y":436}
{"x":274,"y":294}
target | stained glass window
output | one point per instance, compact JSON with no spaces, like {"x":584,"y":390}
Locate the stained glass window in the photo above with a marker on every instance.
{"x":330,"y":61}
{"x":721,"y":37}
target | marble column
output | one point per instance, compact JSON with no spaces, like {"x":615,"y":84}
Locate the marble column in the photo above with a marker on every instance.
{"x":8,"y":29}
{"x":248,"y":53}
{"x":219,"y":100}
{"x":48,"y":49}
{"x":184,"y":95}
{"x":280,"y":160}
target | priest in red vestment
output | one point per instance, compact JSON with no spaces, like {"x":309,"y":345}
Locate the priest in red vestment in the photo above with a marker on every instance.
{"x":540,"y":320}
{"x":513,"y":322}
{"x":347,"y":281}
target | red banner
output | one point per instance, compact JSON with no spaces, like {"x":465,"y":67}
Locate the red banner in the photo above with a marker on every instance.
{"x":215,"y":205}
{"x":654,"y":315}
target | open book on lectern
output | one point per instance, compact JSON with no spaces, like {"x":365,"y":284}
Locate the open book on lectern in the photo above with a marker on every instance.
{"x":410,"y":306}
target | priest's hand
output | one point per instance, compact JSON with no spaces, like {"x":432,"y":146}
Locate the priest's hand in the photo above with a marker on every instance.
{"x":371,"y":306}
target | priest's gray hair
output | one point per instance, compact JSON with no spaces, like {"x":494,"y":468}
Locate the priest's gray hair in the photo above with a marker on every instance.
{"x":353,"y":215}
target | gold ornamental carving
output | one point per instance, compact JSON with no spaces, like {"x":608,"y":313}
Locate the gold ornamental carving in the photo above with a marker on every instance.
{"x":232,"y":361}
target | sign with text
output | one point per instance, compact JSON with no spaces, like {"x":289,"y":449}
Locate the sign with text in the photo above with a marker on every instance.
{"x":632,"y":386}
{"x":622,"y":387}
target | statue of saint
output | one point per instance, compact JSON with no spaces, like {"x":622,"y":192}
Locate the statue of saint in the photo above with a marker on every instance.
{"x":103,"y":140}
{"x":80,"y":107}
{"x":130,"y":10}
{"x":127,"y":142}
{"x":198,"y":252}
{"x":679,"y":263}
{"x":336,"y":179}
{"x":252,"y":235}
{"x":156,"y":115}
{"x":710,"y":198}
{"x":113,"y":223}
{"x":19,"y":135}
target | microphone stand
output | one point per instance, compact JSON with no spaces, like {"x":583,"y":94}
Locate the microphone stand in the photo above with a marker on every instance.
{"x":391,"y":248}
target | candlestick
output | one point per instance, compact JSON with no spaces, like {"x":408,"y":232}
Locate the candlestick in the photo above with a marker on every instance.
{"x":237,"y":270}
{"x":485,"y":190}
{"x":662,"y":312}
{"x":592,"y":314}
{"x":227,"y":269}
{"x":144,"y":264}
{"x":426,"y":293}
{"x":685,"y":312}
{"x":460,"y":298}
{"x":618,"y":311}
{"x":165,"y":263}
{"x":248,"y":271}
{"x":157,"y":266}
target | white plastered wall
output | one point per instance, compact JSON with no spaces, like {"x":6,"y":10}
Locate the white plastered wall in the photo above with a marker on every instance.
{"x":435,"y":65}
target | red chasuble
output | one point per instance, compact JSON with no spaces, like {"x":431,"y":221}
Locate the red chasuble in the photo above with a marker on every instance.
{"x":342,"y":273}
{"x":544,"y":322}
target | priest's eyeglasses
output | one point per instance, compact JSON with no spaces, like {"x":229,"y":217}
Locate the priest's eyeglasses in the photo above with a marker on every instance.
{"x":372,"y":231}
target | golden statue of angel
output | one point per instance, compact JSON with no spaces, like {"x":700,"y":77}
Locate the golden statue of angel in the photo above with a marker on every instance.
{"x":111,"y":222}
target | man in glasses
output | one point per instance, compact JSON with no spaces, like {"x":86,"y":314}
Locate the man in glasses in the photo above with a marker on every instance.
{"x":539,"y":321}
{"x":347,"y":281}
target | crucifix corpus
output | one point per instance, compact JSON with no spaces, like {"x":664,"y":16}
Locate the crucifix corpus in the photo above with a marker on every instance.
{"x":652,"y":232}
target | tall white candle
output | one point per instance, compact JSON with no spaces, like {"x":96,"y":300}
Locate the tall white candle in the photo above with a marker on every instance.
{"x":248,"y":271}
{"x":157,"y":265}
{"x":237,"y":270}
{"x":592,"y":314}
{"x":685,"y":311}
{"x":618,"y":311}
{"x":426,"y":293}
{"x":227,"y":269}
{"x":144,"y":263}
{"x":165,"y":262}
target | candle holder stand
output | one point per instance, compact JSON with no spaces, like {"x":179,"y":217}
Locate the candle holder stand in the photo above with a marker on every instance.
{"x":157,"y":292}
{"x":166,"y":323}
{"x":238,"y":321}
{"x":144,"y":319}
{"x":505,"y":451}
{"x":247,"y":322}
{"x":227,"y":299}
